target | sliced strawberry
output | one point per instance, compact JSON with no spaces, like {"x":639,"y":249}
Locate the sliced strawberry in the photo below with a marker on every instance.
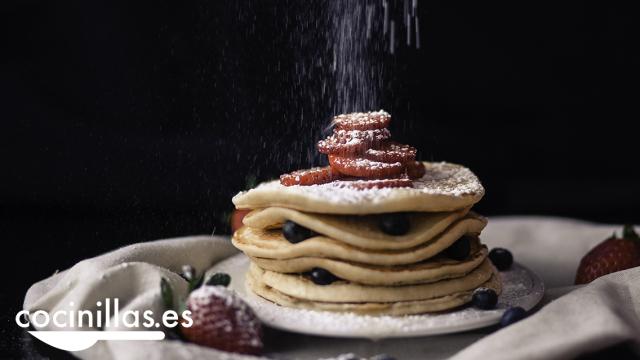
{"x":362,"y":121}
{"x":364,"y":167}
{"x":374,"y":184}
{"x":415,"y":169}
{"x":353,"y":142}
{"x":313,"y":176}
{"x":392,"y":152}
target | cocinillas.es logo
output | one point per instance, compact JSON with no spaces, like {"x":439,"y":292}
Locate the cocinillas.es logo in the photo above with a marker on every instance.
{"x":75,"y":330}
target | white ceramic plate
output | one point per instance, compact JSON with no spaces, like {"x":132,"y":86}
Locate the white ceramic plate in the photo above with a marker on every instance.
{"x":521,"y":287}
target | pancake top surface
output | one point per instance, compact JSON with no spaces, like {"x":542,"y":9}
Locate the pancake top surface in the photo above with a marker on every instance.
{"x":444,"y":187}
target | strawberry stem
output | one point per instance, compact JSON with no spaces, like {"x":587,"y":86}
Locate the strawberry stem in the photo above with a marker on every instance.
{"x":629,"y":233}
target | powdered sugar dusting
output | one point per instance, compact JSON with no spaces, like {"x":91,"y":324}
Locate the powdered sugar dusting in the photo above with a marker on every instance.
{"x":203,"y":295}
{"x":440,"y":179}
{"x":520,"y":288}
{"x":393,"y":152}
{"x":349,"y":138}
{"x":363,"y":120}
{"x":202,"y":302}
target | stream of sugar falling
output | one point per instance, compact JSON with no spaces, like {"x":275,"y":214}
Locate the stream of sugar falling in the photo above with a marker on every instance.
{"x":357,"y":71}
{"x":361,"y":33}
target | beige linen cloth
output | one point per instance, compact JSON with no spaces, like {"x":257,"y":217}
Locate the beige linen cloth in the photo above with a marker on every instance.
{"x":578,"y":321}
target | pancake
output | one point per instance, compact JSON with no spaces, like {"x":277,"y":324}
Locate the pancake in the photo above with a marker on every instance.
{"x":359,"y":231}
{"x":271,"y":244}
{"x":301,"y":287}
{"x":444,"y":187}
{"x":432,"y":270}
{"x":399,"y":308}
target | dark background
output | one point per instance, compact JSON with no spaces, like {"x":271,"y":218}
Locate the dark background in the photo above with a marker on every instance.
{"x":128,"y":122}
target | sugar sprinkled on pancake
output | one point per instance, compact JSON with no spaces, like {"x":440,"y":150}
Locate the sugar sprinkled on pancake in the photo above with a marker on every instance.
{"x":444,"y":187}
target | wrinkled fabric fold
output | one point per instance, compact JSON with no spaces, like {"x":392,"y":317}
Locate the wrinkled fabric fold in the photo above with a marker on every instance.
{"x":601,"y":314}
{"x":132,"y":274}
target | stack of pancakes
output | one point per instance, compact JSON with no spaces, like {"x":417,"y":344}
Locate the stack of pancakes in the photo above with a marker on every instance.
{"x":377,"y":273}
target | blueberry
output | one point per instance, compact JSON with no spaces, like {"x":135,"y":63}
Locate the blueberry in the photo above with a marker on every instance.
{"x":460,"y":249}
{"x":296,"y":233}
{"x":320,"y":276}
{"x":501,"y":258}
{"x":395,"y":224}
{"x":512,"y":315}
{"x":484,"y":298}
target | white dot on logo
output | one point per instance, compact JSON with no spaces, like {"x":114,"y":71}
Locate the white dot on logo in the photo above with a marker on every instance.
{"x":99,"y":303}
{"x":157,"y":325}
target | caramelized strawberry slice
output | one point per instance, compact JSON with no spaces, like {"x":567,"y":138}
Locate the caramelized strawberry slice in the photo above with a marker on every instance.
{"x":415,"y":169}
{"x":313,"y":176}
{"x":362,"y":121}
{"x":374,"y":184}
{"x":353,"y":142}
{"x":361,"y":167}
{"x":392,"y":152}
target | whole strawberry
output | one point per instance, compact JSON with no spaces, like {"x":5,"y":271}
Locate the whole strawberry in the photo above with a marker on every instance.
{"x":218,"y":319}
{"x":613,"y":254}
{"x":223,"y":321}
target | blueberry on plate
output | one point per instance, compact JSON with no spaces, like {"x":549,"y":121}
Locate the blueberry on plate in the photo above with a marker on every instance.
{"x":460,"y":249}
{"x":484,"y":298}
{"x":394,"y":224}
{"x":295,"y":233}
{"x":320,"y":276}
{"x":512,"y":315}
{"x":501,"y":258}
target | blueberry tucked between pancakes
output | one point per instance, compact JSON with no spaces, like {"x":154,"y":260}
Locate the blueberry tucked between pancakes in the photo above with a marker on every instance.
{"x":320,"y":276}
{"x":395,"y":224}
{"x":296,"y":233}
{"x":460,"y":249}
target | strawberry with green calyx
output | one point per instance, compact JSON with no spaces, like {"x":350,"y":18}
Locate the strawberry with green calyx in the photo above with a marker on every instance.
{"x":613,"y":254}
{"x":218,"y":317}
